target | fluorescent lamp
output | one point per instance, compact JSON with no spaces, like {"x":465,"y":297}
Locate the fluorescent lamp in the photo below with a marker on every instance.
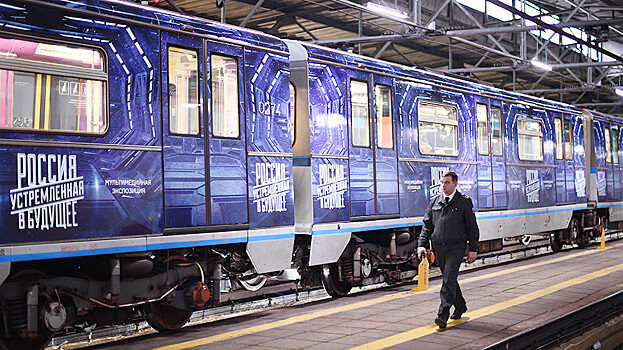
{"x":619,"y":91}
{"x":386,"y":10}
{"x":541,"y":65}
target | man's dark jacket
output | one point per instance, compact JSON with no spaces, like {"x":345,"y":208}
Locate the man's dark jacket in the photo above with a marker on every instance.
{"x":450,"y":224}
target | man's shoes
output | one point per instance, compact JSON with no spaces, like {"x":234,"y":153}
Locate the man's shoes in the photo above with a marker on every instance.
{"x":456,"y":315}
{"x":441,"y":323}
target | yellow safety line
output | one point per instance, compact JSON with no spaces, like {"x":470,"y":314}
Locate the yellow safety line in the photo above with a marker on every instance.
{"x":485,"y":311}
{"x":37,"y":101}
{"x":48,"y":85}
{"x":361,"y":304}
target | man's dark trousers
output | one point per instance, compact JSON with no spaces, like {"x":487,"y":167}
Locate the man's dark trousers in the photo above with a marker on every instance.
{"x":449,"y":258}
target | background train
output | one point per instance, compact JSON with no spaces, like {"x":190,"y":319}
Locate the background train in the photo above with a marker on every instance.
{"x":158,"y":163}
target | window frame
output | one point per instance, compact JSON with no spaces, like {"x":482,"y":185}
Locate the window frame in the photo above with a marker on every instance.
{"x":614,"y":144}
{"x":487,"y":151}
{"x":559,"y":138}
{"x":350,"y":106}
{"x":293,"y":112}
{"x":608,"y":144}
{"x":199,"y":89}
{"x":238,"y":94}
{"x":64,"y":71}
{"x":501,"y":139}
{"x":530,"y":133}
{"x":567,"y":130}
{"x":436,"y":120}
{"x":391,"y":116}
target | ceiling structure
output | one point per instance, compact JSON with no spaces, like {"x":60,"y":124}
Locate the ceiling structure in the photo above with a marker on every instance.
{"x":449,"y":36}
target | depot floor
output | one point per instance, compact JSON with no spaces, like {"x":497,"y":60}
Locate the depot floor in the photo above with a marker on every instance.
{"x":502,"y":301}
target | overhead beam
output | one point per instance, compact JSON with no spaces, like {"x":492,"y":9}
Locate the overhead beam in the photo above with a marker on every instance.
{"x":567,"y":90}
{"x":529,"y":66}
{"x":556,"y":29}
{"x":600,"y":104}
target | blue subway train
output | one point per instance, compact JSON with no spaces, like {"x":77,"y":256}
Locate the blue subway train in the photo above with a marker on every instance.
{"x":157,"y":163}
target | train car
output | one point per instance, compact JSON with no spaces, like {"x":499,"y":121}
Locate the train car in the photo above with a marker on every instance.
{"x":373,"y":140}
{"x":146,"y":164}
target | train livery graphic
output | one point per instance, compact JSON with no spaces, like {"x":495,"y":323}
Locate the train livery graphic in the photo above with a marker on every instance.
{"x":157,"y":163}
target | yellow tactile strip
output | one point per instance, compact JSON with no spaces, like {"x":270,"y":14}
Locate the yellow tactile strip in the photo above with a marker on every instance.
{"x":472,"y":315}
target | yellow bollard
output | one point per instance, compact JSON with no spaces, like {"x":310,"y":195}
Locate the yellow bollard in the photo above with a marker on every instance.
{"x":603,"y":239}
{"x":422,"y":278}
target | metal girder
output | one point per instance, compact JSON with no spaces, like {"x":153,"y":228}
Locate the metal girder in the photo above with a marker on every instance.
{"x":529,"y":66}
{"x":557,"y":30}
{"x":600,"y":104}
{"x":464,"y":32}
{"x":389,"y":17}
{"x":250,"y":14}
{"x":566,"y":90}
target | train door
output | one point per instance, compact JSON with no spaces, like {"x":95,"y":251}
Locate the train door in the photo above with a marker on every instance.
{"x":561,"y":183}
{"x":568,"y":159}
{"x":612,"y":161}
{"x":490,"y":154}
{"x":225,"y":127}
{"x":498,"y":163}
{"x":183,"y":131}
{"x":385,"y":156}
{"x":361,"y":150}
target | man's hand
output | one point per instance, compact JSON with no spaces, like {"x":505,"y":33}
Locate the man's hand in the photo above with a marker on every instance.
{"x":471,"y":257}
{"x":420,"y":251}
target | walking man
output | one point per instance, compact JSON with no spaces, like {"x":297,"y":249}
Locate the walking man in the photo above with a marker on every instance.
{"x":450,"y":224}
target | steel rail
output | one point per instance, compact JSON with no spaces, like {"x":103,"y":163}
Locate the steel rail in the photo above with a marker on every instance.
{"x":566,"y":327}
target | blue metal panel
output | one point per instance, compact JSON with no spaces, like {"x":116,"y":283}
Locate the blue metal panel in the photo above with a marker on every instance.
{"x":184,"y":156}
{"x":270,"y":187}
{"x":327,"y":103}
{"x":577,"y":137}
{"x":271,"y":194}
{"x":266,"y":81}
{"x":570,"y":164}
{"x":328,"y":137}
{"x":228,"y":162}
{"x":498,"y":163}
{"x":330,"y":190}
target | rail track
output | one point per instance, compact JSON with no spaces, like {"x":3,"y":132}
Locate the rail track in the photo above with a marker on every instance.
{"x":276,"y":294}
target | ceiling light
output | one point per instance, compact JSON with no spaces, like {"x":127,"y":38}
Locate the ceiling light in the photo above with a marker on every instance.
{"x":618,"y":91}
{"x":541,"y":65}
{"x":386,"y":10}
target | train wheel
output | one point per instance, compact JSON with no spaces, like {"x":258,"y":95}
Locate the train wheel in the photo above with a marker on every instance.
{"x":162,"y":317}
{"x":331,"y":282}
{"x":577,"y":233}
{"x":554,"y":241}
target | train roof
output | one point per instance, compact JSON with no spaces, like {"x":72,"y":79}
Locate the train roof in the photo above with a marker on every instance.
{"x":130,"y":11}
{"x":431,"y":76}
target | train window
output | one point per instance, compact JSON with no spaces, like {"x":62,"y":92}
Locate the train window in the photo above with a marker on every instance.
{"x":496,"y":130}
{"x":183,"y":91}
{"x":225,"y":106}
{"x":292,"y":111}
{"x":384,"y":129}
{"x":558,"y":135}
{"x":483,"y":131}
{"x":567,"y":140}
{"x":438,"y":128}
{"x":615,"y":148}
{"x":52,"y":87}
{"x":530,"y":139}
{"x":360,"y":113}
{"x":608,"y":149}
